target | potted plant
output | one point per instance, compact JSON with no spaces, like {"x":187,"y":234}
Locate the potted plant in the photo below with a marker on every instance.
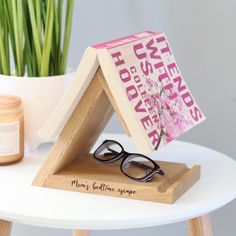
{"x":33,"y":57}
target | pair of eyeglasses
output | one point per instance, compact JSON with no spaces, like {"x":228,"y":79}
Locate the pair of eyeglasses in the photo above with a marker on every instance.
{"x":135,"y":166}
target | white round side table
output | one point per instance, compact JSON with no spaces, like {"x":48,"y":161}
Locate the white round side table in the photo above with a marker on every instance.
{"x":22,"y":203}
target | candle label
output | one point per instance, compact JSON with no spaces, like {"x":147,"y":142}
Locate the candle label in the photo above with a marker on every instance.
{"x":9,"y":138}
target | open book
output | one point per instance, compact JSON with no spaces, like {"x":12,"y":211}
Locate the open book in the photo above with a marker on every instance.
{"x":146,"y":84}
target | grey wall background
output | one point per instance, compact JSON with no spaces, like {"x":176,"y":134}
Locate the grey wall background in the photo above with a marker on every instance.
{"x":203,"y":37}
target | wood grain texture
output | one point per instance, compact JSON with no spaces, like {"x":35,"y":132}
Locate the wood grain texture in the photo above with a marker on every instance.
{"x":113,"y":102}
{"x":91,"y":176}
{"x":81,"y":233}
{"x":5,"y":228}
{"x":81,"y":131}
{"x":200,"y":226}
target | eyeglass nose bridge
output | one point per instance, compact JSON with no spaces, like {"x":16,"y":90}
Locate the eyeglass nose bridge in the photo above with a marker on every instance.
{"x":122,"y":155}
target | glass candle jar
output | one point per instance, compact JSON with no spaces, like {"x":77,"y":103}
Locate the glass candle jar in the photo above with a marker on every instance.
{"x":11,"y":129}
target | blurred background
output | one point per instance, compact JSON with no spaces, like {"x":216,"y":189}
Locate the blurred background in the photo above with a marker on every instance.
{"x":203,"y":38}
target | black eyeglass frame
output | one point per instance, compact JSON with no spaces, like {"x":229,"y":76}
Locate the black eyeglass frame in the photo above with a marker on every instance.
{"x":124,"y":155}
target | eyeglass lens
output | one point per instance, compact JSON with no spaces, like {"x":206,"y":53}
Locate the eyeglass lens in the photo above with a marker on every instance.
{"x":108,"y":151}
{"x":137,"y":166}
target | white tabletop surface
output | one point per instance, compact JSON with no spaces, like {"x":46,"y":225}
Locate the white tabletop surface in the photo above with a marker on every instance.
{"x":20,"y":202}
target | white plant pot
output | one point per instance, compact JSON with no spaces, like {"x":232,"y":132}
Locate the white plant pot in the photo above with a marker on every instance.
{"x":39,"y":95}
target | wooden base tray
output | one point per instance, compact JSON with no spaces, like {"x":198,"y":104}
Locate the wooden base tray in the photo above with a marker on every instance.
{"x":91,"y":176}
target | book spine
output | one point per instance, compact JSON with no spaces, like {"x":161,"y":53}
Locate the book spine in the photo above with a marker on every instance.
{"x":63,"y":111}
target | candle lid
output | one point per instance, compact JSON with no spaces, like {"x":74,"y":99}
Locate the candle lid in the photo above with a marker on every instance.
{"x":9,"y":101}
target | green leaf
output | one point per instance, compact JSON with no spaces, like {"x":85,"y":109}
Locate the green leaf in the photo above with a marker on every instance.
{"x":20,"y":35}
{"x":38,"y":7}
{"x":5,"y":65}
{"x":3,"y":54}
{"x":6,"y":40}
{"x":48,"y":40}
{"x":18,"y":28}
{"x":31,"y":33}
{"x":9,"y":19}
{"x":36,"y":36}
{"x":27,"y":37}
{"x":68,"y":25}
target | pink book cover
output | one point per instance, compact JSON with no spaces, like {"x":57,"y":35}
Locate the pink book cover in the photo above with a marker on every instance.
{"x":154,"y":86}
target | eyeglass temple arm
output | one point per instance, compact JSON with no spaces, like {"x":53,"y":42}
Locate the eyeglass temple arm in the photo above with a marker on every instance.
{"x":142,"y":165}
{"x":112,"y":152}
{"x":148,"y":168}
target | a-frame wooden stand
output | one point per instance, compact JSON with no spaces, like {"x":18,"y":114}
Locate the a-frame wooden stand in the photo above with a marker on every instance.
{"x":81,"y":131}
{"x":69,"y":164}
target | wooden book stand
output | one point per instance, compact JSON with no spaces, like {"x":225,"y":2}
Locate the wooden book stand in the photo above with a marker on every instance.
{"x":69,"y":164}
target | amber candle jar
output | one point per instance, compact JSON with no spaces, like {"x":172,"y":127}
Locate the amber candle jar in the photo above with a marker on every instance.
{"x":11,"y":129}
